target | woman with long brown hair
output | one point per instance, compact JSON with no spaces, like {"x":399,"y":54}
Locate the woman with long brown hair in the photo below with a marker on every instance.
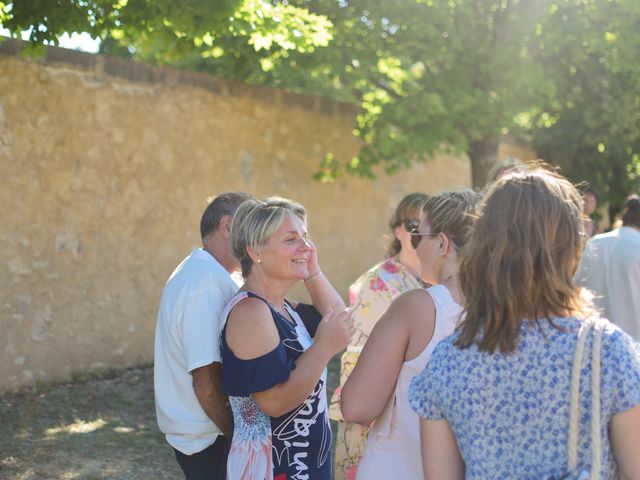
{"x":496,"y":397}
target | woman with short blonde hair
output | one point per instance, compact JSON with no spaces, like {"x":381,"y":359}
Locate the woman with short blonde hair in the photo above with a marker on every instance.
{"x":275,"y":351}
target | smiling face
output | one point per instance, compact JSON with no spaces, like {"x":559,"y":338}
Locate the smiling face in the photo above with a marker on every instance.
{"x":286,"y":254}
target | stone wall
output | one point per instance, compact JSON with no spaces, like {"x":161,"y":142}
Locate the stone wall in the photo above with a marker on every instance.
{"x":105,"y":167}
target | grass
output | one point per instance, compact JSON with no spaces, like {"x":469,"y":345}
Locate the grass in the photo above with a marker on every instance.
{"x":98,"y":426}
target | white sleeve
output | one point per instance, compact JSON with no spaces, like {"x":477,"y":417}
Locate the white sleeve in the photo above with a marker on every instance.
{"x":586,"y":272}
{"x":200,"y":334}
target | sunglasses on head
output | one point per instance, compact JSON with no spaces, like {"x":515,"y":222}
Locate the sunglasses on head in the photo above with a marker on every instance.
{"x":411,"y":225}
{"x":416,"y":236}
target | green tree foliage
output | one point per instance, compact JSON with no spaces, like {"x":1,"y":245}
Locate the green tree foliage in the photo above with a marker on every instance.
{"x":430,"y":75}
{"x":168,"y":31}
{"x":591,"y":124}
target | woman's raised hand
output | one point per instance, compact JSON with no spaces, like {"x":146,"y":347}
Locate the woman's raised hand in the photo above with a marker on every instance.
{"x":312,"y":264}
{"x":335,"y":331}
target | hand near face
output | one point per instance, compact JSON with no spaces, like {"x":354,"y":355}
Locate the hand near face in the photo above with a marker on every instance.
{"x":335,"y":331}
{"x":313,"y":265}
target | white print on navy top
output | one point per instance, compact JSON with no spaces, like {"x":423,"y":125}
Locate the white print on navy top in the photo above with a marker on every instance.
{"x":293,"y":431}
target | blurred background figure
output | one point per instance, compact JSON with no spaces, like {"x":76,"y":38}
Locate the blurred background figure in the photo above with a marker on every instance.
{"x":503,"y":167}
{"x":369,"y":297}
{"x":495,"y":396}
{"x":404,"y":338}
{"x":590,"y":198}
{"x":610,"y":268}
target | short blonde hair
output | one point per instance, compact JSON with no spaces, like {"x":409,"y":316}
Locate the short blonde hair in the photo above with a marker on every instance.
{"x":452,"y":213}
{"x":521,"y":259}
{"x":255,"y":221}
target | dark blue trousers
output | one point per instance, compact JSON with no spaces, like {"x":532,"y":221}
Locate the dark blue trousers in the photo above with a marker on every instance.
{"x":209,"y":464}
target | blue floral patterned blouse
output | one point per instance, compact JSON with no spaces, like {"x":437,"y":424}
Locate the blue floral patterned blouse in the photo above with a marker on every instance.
{"x":510,"y":412}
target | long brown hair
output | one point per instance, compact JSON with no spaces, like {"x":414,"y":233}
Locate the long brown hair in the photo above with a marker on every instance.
{"x":521,"y":259}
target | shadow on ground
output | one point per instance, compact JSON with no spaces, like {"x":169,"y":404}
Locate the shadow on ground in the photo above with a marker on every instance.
{"x":97,"y":428}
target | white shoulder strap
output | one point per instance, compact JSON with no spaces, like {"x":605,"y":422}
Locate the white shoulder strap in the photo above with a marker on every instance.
{"x":574,"y":412}
{"x":596,"y":446}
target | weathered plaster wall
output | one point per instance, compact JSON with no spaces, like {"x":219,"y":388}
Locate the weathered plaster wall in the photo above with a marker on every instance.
{"x":105,"y":167}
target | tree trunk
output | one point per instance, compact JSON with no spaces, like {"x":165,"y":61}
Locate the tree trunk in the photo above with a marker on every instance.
{"x":483,"y":154}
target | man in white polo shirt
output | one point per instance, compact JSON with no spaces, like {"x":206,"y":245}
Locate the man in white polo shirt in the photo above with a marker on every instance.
{"x":192,"y":412}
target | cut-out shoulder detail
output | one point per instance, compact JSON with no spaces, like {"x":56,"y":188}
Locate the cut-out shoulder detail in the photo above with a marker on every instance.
{"x":259,"y":440}
{"x":249,"y":331}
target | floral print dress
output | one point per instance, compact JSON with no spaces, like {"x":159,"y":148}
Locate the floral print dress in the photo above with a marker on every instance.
{"x":369,"y":297}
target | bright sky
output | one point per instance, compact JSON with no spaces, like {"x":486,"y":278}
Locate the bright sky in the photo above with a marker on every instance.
{"x":77,"y":41}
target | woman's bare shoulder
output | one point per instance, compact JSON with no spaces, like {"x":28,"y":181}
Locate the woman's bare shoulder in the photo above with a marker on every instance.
{"x":411,"y":304}
{"x":251,"y":331}
{"x":249,"y":307}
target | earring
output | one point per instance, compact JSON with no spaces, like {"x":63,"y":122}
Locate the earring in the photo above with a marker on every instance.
{"x":259,"y":260}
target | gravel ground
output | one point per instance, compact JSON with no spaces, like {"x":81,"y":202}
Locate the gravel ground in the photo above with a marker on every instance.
{"x":101,"y":426}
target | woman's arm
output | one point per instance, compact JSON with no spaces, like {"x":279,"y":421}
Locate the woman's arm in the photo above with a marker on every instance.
{"x":624,"y":431}
{"x":374,"y":377}
{"x":251,"y":333}
{"x":441,"y":459}
{"x":323,"y":295}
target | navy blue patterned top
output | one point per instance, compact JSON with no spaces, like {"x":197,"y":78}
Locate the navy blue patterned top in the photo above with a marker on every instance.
{"x":296,"y":445}
{"x":510,"y":412}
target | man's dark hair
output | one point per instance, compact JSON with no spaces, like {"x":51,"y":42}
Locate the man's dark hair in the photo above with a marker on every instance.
{"x":587,"y":189}
{"x":224,"y":204}
{"x":631,"y":212}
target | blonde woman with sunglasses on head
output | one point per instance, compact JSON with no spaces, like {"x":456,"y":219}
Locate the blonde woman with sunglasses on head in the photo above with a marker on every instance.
{"x":402,"y":341}
{"x":369,"y":297}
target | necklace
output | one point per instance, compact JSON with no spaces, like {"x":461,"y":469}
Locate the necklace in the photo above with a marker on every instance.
{"x":282,"y":311}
